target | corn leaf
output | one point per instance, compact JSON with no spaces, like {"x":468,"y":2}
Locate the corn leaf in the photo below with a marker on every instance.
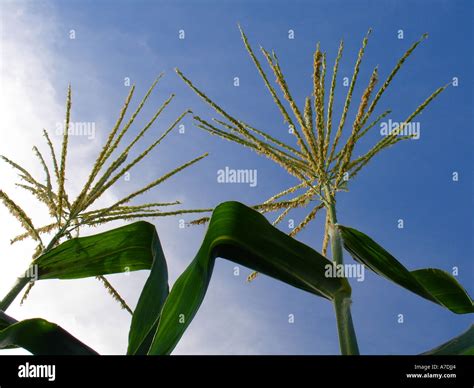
{"x":41,"y":337}
{"x":125,"y":249}
{"x":236,"y":232}
{"x":244,"y":236}
{"x":6,"y":320}
{"x":152,"y":298}
{"x":463,"y":344}
{"x":430,"y":283}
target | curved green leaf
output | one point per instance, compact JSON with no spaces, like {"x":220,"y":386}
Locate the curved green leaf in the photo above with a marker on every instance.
{"x":41,"y":337}
{"x":244,"y":236}
{"x":430,"y":283}
{"x":152,"y":298}
{"x":6,"y":320}
{"x":129,"y":248}
{"x":235,"y":232}
{"x":125,"y":249}
{"x":463,"y":345}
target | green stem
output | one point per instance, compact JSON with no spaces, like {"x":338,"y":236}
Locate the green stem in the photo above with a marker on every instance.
{"x":342,"y":301}
{"x":22,"y":281}
{"x":345,"y":326}
{"x":336,"y":244}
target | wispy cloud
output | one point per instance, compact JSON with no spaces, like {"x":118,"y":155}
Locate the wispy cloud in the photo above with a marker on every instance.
{"x":32,"y":99}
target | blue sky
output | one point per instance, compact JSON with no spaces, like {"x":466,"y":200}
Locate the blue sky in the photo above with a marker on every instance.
{"x":412,"y":181}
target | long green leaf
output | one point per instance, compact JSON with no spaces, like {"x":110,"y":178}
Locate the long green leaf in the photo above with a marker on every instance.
{"x":6,"y":320}
{"x":125,"y":249}
{"x":41,"y":337}
{"x":235,"y":232}
{"x":430,"y":283}
{"x":129,"y":248}
{"x":244,"y":236}
{"x":147,"y":314}
{"x":463,"y":344}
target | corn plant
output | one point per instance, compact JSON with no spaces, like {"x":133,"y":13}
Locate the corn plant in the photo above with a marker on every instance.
{"x":162,"y":315}
{"x":235,"y":231}
{"x":324,"y":165}
{"x":69,"y":216}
